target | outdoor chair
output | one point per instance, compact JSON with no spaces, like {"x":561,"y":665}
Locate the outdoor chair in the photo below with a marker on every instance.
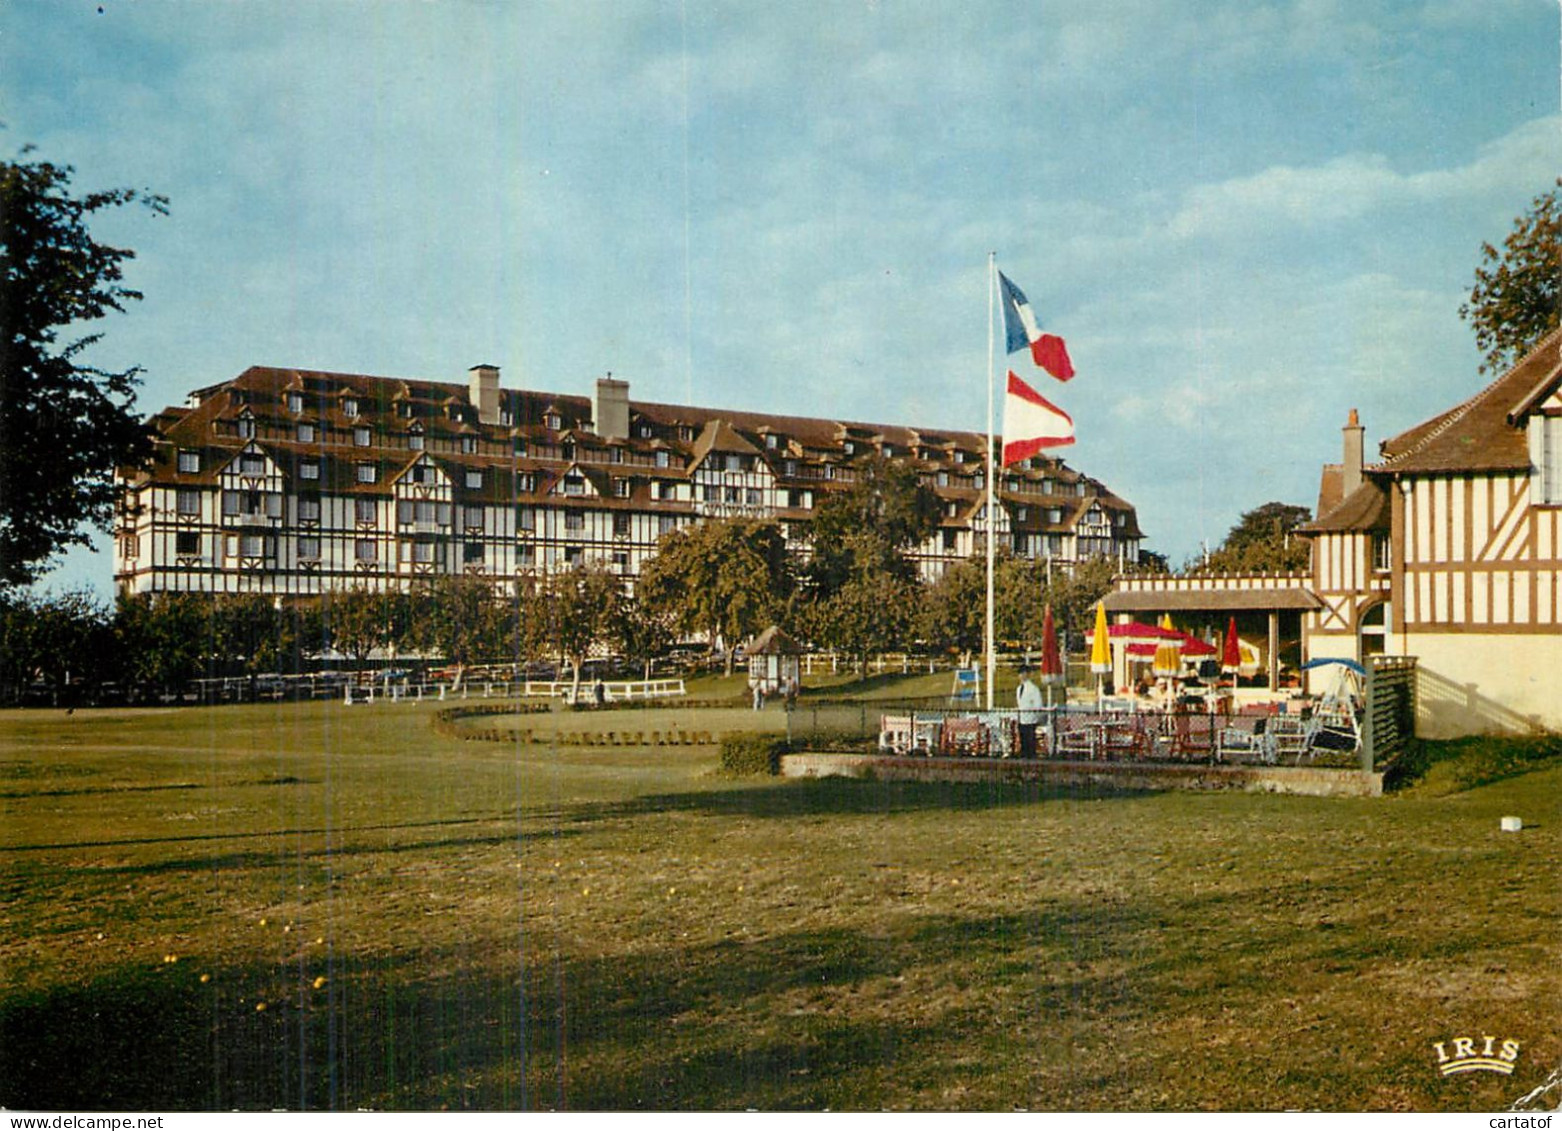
{"x":1287,"y":735}
{"x":1242,"y":735}
{"x":1074,"y":739}
{"x":1193,"y":736}
{"x":965,"y":737}
{"x":1125,"y":738}
{"x":895,"y":733}
{"x":924,"y":734}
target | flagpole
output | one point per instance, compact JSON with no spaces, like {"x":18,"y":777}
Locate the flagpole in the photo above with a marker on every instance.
{"x":992,"y":517}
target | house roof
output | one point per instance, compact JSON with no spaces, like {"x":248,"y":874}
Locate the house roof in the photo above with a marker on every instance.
{"x":1365,"y":508}
{"x":1211,"y":600}
{"x":1486,"y":432}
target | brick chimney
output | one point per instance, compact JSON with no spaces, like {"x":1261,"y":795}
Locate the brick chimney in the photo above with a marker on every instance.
{"x":610,"y":411}
{"x":483,"y":392}
{"x":1350,"y":477}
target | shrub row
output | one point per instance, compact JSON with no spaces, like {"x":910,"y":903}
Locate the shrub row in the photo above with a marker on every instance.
{"x":750,"y":753}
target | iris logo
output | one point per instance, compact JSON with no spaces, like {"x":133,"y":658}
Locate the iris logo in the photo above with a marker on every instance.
{"x":1471,"y":1055}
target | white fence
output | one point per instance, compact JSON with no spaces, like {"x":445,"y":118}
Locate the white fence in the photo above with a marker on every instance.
{"x":617,"y":691}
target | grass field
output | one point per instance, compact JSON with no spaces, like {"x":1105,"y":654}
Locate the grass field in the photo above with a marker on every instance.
{"x":315,"y":906}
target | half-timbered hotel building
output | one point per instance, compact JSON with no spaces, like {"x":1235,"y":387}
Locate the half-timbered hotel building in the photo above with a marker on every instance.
{"x":293,"y":482}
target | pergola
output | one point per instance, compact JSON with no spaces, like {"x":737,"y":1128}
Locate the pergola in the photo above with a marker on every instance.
{"x":1219,"y":603}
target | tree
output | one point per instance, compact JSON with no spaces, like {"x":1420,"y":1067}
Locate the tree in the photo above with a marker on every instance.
{"x":580,"y":608}
{"x":874,"y":611}
{"x":64,"y":425}
{"x":730,"y":578}
{"x":886,"y":512}
{"x":1516,"y":298}
{"x":358,"y":620}
{"x":1263,"y":540}
{"x":164,"y":639}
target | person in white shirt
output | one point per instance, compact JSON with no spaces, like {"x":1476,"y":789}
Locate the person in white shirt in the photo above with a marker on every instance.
{"x":1027,"y":697}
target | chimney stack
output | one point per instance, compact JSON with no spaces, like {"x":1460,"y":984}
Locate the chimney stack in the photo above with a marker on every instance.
{"x":611,"y":408}
{"x":483,"y":392}
{"x":1351,"y":478}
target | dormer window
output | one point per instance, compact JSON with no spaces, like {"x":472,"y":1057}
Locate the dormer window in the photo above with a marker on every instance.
{"x":663,"y":459}
{"x":350,"y":406}
{"x":645,"y":432}
{"x":621,"y":488}
{"x":295,"y":402}
{"x":553,"y":421}
{"x":246,"y":427}
{"x":189,"y":461}
{"x":415,"y":439}
{"x":309,"y":469}
{"x":519,"y":446}
{"x":474,"y":479}
{"x":305,"y":433}
{"x":361,"y":436}
{"x":850,"y":448}
{"x":772,"y":442}
{"x":368,"y":472}
{"x":468,"y":445}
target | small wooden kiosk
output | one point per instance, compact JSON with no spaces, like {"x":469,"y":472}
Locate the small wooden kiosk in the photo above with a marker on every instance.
{"x":773,"y":662}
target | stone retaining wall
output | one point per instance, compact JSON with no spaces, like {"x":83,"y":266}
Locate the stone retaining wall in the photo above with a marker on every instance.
{"x":1306,"y":780}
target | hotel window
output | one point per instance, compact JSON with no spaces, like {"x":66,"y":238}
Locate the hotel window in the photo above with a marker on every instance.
{"x":665,"y":524}
{"x":552,"y":421}
{"x":572,"y":555}
{"x":574,"y":520}
{"x":361,"y":436}
{"x":731,"y":495}
{"x":621,"y":525}
{"x":472,"y":517}
{"x":794,"y":499}
{"x":423,"y":552}
{"x":252,"y":464}
{"x":350,"y":406}
{"x":526,"y":482}
{"x":415,"y":441}
{"x":772,"y":442}
{"x":943,"y":479}
{"x":295,"y":402}
{"x":129,"y":546}
{"x":309,"y":548}
{"x":519,"y":446}
{"x":1546,"y":455}
{"x":526,"y":555}
{"x":246,"y":427}
{"x":1021,"y":513}
{"x":666,"y":491}
{"x":419,"y":473}
{"x":366,"y":550}
{"x":951,"y":540}
{"x":253,"y":546}
{"x":474,"y":479}
{"x":789,"y":469}
{"x":368,"y":472}
{"x":187,"y":543}
{"x":621,"y":488}
{"x":752,"y":497}
{"x":424,"y":511}
{"x":574,"y":485}
{"x":309,"y":508}
{"x":663,"y":459}
{"x":188,"y":502}
{"x":618,"y":455}
{"x":304,"y":433}
{"x":1380,"y":552}
{"x":621,"y":561}
{"x":645,"y":432}
{"x":472,"y":552}
{"x":189,"y":462}
{"x":525,"y":518}
{"x":365,"y":510}
{"x":309,"y":469}
{"x":469,"y":445}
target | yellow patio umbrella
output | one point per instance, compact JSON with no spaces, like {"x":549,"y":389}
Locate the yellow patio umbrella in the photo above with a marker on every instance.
{"x":1168,"y":654}
{"x":1100,"y":648}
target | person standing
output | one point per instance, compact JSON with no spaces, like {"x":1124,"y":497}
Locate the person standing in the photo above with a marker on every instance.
{"x":1027,"y":697}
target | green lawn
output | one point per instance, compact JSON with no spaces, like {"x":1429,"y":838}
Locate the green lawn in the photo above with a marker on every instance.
{"x":338,"y":907}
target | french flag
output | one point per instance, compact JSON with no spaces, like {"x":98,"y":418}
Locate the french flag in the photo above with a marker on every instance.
{"x":1031,"y":423}
{"x":1021,"y":329}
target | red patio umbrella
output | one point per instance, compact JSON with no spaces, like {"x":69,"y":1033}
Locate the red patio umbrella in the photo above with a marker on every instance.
{"x":1231,"y":654}
{"x":1051,"y":660}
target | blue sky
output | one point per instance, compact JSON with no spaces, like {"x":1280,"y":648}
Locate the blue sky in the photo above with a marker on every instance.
{"x":1245,"y":218}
